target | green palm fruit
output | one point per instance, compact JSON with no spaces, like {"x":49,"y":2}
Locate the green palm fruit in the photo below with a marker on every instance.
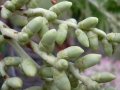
{"x":21,"y":70}
{"x":32,"y":3}
{"x":113,"y":37}
{"x":93,"y":40}
{"x":82,"y":37}
{"x":72,"y":20}
{"x":87,"y":61}
{"x":81,"y":87}
{"x":19,"y":3}
{"x":61,"y":64}
{"x":88,"y":23}
{"x":12,"y":61}
{"x":52,"y":86}
{"x":34,"y":88}
{"x":69,"y":53}
{"x":5,"y":86}
{"x":44,"y":28}
{"x":9,"y":5}
{"x":46,"y":44}
{"x":14,"y":82}
{"x":90,"y":85}
{"x":74,"y":82}
{"x":49,"y":15}
{"x":107,"y":88}
{"x":61,"y":80}
{"x":33,"y":26}
{"x":5,"y":13}
{"x":45,"y":72}
{"x":107,"y":46}
{"x":61,"y":7}
{"x":101,"y":34}
{"x":29,"y":67}
{"x":48,"y":49}
{"x":61,"y":33}
{"x":22,"y":37}
{"x":2,"y":40}
{"x":114,"y":46}
{"x":102,"y":77}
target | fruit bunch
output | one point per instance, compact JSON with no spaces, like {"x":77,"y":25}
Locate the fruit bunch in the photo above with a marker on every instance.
{"x":58,"y":72}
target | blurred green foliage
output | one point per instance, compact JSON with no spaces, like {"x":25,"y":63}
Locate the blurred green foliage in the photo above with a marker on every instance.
{"x":107,"y":11}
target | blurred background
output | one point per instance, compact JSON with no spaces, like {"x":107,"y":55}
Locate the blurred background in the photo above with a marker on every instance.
{"x":108,"y":13}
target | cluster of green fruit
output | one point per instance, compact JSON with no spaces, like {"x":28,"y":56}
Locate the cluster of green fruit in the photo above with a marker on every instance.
{"x":58,"y":73}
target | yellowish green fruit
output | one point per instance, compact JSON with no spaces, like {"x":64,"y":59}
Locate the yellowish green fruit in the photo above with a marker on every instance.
{"x":14,"y":82}
{"x":61,"y":7}
{"x":69,"y":53}
{"x":93,"y":40}
{"x":102,"y":77}
{"x":29,"y":67}
{"x":9,"y":5}
{"x":61,"y":33}
{"x":107,"y":46}
{"x":88,"y":23}
{"x":87,"y":61}
{"x":82,"y":37}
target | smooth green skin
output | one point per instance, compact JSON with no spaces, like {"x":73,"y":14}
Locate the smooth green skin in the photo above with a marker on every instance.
{"x":88,"y":23}
{"x":52,"y":86}
{"x":72,"y":20}
{"x":19,"y":3}
{"x":61,"y":64}
{"x":2,"y":40}
{"x":42,"y":31}
{"x":69,"y":53}
{"x":33,"y":26}
{"x":114,"y":46}
{"x":61,"y":80}
{"x":114,"y":37}
{"x":29,"y":67}
{"x":82,"y":37}
{"x":87,"y":61}
{"x":5,"y":13}
{"x":75,"y":83}
{"x":93,"y":40}
{"x":22,"y":37}
{"x":5,"y":87}
{"x":61,"y":7}
{"x":61,"y":33}
{"x":12,"y":61}
{"x":51,"y":16}
{"x":48,"y":49}
{"x":71,"y":77}
{"x":45,"y":72}
{"x":21,"y":70}
{"x":14,"y":82}
{"x":51,"y":34}
{"x":9,"y":5}
{"x":46,"y":44}
{"x":32,"y":3}
{"x":107,"y":46}
{"x":102,"y":77}
{"x":34,"y":88}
